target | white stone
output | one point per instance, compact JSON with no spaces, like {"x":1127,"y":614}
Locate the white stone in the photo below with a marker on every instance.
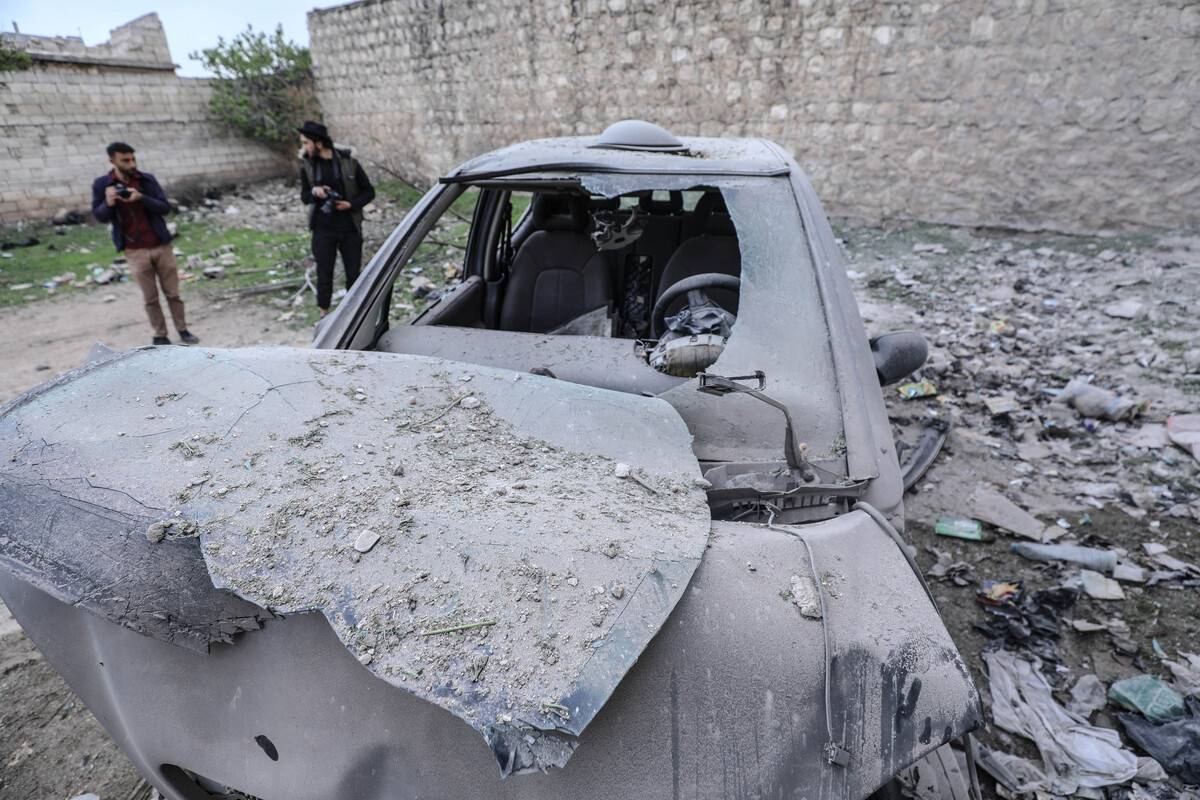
{"x":366,"y":540}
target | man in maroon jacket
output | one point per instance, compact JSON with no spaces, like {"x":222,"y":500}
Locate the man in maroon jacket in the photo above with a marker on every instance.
{"x":135,"y":205}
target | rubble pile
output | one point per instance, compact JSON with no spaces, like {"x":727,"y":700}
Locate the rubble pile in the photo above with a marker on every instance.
{"x":1067,"y":498}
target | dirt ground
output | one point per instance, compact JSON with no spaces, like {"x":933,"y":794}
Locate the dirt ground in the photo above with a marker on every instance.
{"x":46,"y":338}
{"x":50,"y":744}
{"x":1007,"y":317}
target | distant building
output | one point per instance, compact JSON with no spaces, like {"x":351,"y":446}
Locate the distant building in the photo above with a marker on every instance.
{"x":74,"y":99}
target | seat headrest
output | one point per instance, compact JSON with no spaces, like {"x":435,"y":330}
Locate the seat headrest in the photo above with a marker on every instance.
{"x":713,"y":215}
{"x":672,"y":205}
{"x":603,"y":204}
{"x":559,"y":212}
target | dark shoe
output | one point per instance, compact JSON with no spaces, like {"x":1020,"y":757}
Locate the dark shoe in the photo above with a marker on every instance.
{"x":161,"y":340}
{"x":187,"y":338}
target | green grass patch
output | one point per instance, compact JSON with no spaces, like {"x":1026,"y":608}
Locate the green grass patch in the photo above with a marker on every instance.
{"x":399,"y":192}
{"x":23,"y":270}
{"x":261,"y":257}
{"x":406,"y":196}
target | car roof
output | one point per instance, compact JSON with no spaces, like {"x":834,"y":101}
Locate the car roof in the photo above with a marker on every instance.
{"x":702,"y":156}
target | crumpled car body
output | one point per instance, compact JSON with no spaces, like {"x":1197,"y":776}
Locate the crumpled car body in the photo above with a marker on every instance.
{"x":513,"y":549}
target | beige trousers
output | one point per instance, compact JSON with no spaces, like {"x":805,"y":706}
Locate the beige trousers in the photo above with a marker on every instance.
{"x":153,"y":268}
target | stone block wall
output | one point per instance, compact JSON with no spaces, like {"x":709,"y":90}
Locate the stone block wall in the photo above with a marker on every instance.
{"x":1072,"y":115}
{"x":59,"y":115}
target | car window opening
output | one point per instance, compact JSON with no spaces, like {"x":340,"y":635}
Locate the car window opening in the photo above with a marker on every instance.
{"x":661,"y":268}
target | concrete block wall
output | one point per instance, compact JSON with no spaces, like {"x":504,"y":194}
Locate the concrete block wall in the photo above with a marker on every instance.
{"x":59,"y":115}
{"x":1071,"y":115}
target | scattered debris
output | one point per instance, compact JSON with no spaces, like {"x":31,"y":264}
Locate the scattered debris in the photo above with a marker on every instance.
{"x":466,"y":626}
{"x":1087,"y":695}
{"x":804,"y":595}
{"x":1100,"y":587}
{"x":959,"y":528}
{"x":994,"y":593}
{"x":1075,"y":754}
{"x":912,"y":391}
{"x":999,"y":406}
{"x":930,"y":248}
{"x":996,"y":509}
{"x":1092,"y":401}
{"x":1090,"y":557}
{"x":1187,"y":676}
{"x":947,"y":567}
{"x":1130,"y":573}
{"x":1030,"y":623}
{"x":1184,"y":430}
{"x":1149,"y":696}
{"x":1126,"y":309}
{"x":1175,"y":745}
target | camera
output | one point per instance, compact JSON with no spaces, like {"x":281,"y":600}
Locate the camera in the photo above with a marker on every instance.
{"x":122,"y":191}
{"x":331,"y":197}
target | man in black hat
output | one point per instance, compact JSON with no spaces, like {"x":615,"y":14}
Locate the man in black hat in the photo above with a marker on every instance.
{"x":335,"y":185}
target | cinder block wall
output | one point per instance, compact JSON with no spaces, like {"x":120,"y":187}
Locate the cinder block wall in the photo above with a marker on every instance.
{"x":1073,"y":115}
{"x":59,"y":115}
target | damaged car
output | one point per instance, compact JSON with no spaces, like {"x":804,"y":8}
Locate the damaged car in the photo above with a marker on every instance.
{"x":618,"y":515}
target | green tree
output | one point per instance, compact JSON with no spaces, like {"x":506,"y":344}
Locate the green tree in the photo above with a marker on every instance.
{"x":12,"y":58}
{"x":262,"y":86}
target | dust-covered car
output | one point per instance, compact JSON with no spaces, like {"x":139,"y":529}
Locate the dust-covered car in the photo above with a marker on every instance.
{"x":619,"y":515}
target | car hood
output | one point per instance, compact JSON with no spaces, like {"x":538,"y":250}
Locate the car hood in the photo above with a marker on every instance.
{"x":502,"y":545}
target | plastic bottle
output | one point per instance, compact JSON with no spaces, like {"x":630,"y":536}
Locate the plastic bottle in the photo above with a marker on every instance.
{"x":1090,"y":557}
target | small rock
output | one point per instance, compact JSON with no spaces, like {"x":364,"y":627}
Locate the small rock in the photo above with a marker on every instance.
{"x":617,"y":591}
{"x":622,"y":470}
{"x":470,"y":402}
{"x":934,"y":249}
{"x":805,"y":597}
{"x":1126,"y":309}
{"x":365,"y":541}
{"x":41,"y":368}
{"x":157,"y":531}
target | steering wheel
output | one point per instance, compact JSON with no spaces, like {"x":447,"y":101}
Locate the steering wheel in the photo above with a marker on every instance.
{"x":705,"y":280}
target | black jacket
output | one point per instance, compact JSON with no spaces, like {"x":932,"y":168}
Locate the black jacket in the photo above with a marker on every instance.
{"x":356,"y":186}
{"x":154,"y":200}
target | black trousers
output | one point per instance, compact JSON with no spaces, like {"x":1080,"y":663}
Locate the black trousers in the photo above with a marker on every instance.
{"x":326,"y":244}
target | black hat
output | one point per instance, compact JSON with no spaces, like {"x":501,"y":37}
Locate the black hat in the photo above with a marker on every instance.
{"x":315,"y":130}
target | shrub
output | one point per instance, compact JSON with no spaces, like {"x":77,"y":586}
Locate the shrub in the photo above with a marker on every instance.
{"x":262,"y":86}
{"x":12,"y":58}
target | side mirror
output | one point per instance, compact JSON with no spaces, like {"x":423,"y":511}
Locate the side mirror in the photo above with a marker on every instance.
{"x":898,"y":353}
